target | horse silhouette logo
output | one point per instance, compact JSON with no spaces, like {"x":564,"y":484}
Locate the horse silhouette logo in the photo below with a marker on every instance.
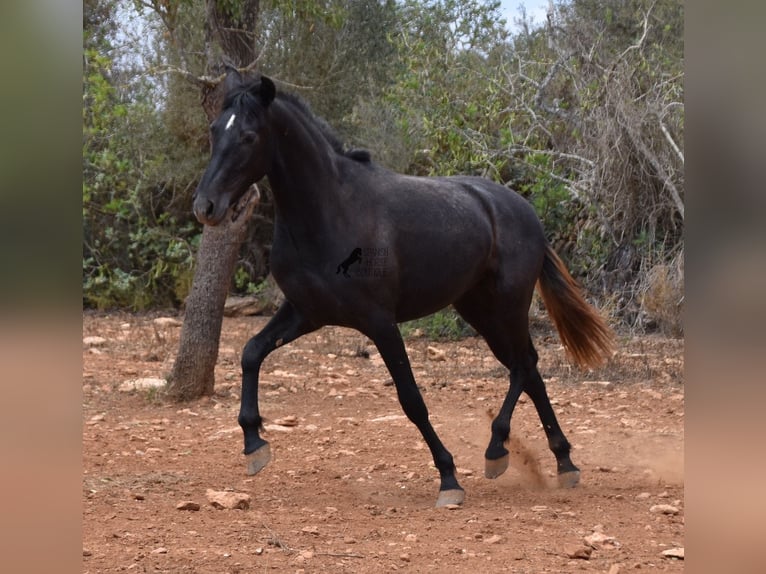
{"x":355,"y":257}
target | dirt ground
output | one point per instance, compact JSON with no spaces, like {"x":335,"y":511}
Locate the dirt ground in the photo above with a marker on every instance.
{"x":351,"y":486}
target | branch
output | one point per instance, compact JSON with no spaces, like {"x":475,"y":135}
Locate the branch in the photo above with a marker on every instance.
{"x":672,"y":143}
{"x":640,"y":42}
{"x":204,"y":81}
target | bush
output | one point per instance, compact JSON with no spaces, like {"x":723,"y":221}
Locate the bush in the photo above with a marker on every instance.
{"x":444,"y":325}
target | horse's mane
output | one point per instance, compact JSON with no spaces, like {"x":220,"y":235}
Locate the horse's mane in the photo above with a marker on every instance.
{"x":243,"y":97}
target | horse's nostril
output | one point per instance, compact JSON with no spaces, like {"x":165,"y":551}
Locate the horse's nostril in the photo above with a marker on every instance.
{"x":209,"y":208}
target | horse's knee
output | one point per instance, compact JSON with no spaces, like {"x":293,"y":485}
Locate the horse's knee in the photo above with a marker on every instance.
{"x":252,"y":355}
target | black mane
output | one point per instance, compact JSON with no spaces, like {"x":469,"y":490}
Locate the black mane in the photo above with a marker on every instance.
{"x":243,"y":97}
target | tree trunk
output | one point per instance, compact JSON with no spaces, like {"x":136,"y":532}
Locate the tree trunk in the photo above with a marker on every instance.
{"x":193,"y":373}
{"x":229,"y":40}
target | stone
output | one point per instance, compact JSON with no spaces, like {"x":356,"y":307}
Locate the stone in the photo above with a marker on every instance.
{"x":93,"y":341}
{"x":288,"y":421}
{"x":167,"y":322}
{"x":600,"y":540}
{"x":160,"y":550}
{"x":142,"y":384}
{"x":677,"y":553}
{"x":435,"y":354}
{"x":187,"y":505}
{"x":578,"y":552}
{"x":228,"y":500}
{"x":664,"y":509}
{"x":494,"y":539}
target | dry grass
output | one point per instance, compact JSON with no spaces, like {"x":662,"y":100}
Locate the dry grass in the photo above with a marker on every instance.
{"x":662,"y":296}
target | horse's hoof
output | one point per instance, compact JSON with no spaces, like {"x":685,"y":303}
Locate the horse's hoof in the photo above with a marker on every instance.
{"x":257,"y":459}
{"x":453,"y":497}
{"x":569,"y":479}
{"x":496,"y":467}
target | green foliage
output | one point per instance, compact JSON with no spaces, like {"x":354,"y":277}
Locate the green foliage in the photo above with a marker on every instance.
{"x":444,"y":325}
{"x":579,"y":115}
{"x":137,"y":252}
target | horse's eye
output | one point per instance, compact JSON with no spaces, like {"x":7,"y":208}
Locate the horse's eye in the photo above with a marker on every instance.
{"x":248,"y":137}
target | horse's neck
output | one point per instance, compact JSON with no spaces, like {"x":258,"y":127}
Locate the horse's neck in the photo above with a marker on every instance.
{"x":303,"y":175}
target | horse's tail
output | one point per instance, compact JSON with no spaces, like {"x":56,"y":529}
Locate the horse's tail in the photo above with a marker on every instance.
{"x":585,"y":335}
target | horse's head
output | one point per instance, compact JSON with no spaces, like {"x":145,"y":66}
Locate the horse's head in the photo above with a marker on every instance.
{"x":240,"y":147}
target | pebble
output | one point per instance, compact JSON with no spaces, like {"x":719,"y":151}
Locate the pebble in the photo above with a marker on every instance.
{"x":188,"y":505}
{"x":142,"y":384}
{"x":435,"y":354}
{"x":664,"y":509}
{"x":494,"y":539}
{"x":93,"y":341}
{"x":227,"y":500}
{"x":578,"y":552}
{"x":677,"y":553}
{"x":600,"y":540}
{"x":167,"y":322}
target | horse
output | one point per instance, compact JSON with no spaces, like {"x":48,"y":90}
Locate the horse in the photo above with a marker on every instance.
{"x":461,"y":240}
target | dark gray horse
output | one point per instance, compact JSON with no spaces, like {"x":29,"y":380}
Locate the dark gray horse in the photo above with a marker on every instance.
{"x":423,"y":243}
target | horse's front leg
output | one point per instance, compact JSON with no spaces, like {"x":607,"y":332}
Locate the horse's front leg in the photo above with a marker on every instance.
{"x":389,"y":342}
{"x":286,"y":325}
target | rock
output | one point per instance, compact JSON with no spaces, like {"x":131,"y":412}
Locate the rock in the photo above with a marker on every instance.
{"x":494,"y":539}
{"x":677,"y":553}
{"x":578,"y":552}
{"x":160,"y":550}
{"x":306,"y":554}
{"x":435,"y":354}
{"x":600,"y":540}
{"x":244,"y":306}
{"x":142,"y":384}
{"x":310,"y":530}
{"x":228,"y":500}
{"x":642,"y":496}
{"x":614,"y":569}
{"x":664,"y":509}
{"x":167,"y":322}
{"x":288,"y":421}
{"x":93,"y":341}
{"x":187,"y":505}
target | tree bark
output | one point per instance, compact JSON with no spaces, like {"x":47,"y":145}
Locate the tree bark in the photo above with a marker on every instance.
{"x":193,"y":373}
{"x":229,"y":40}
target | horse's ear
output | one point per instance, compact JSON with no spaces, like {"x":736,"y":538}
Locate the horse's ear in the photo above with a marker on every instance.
{"x":267,"y":91}
{"x":232,"y":80}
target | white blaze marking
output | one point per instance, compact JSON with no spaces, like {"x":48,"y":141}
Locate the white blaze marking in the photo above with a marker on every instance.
{"x":230,"y":122}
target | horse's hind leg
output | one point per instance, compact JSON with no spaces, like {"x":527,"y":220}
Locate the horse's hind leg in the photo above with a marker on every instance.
{"x":506,"y":343}
{"x":286,"y":325}
{"x":507,"y":335}
{"x":568,"y":473}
